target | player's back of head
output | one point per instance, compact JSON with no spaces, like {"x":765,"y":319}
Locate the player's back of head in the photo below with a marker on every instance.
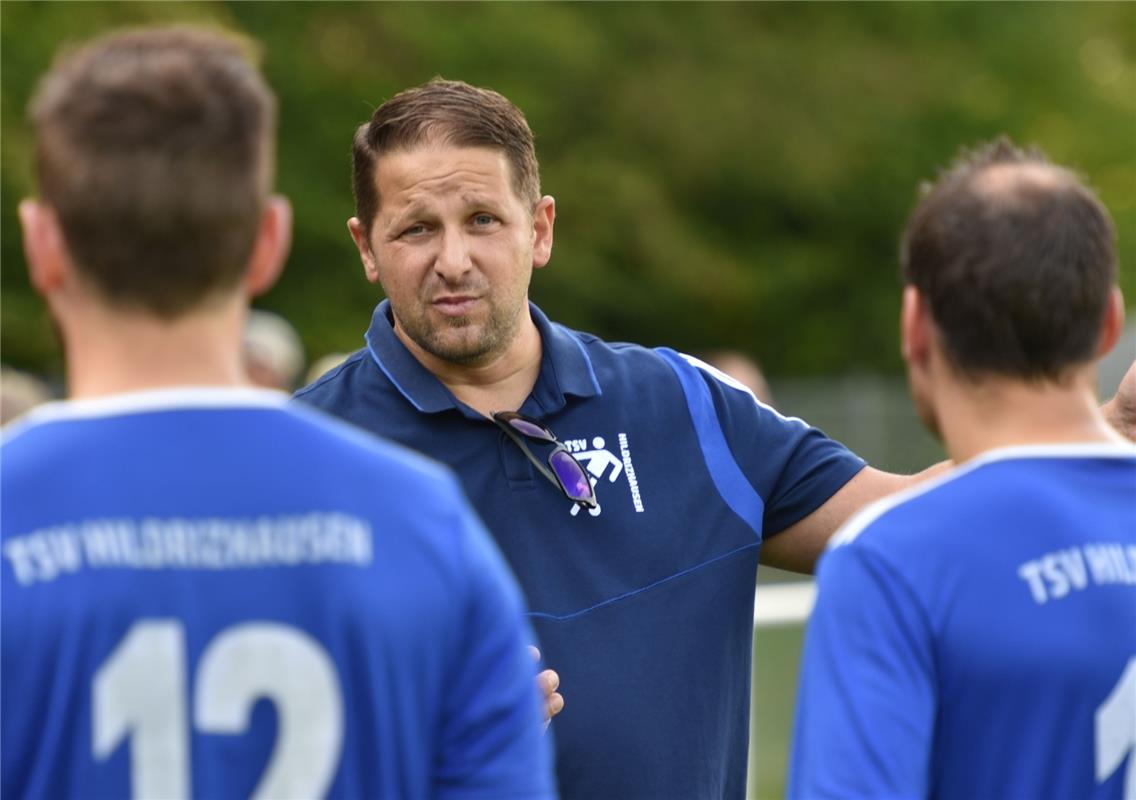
{"x":155,"y":149}
{"x":1015,"y":257}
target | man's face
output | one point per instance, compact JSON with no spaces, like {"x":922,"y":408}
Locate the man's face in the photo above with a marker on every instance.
{"x":454,"y":248}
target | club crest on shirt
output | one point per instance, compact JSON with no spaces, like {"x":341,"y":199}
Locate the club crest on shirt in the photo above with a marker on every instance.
{"x":606,"y":466}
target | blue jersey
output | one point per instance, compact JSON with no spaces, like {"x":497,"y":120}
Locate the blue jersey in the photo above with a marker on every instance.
{"x":208,"y":593}
{"x":976,"y":637}
{"x":644,"y":605}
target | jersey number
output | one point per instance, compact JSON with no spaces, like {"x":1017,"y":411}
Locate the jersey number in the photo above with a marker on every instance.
{"x":1116,"y":731}
{"x":140,"y":693}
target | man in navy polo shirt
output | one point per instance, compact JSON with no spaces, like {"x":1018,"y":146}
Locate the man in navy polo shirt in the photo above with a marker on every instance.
{"x":639,"y":564}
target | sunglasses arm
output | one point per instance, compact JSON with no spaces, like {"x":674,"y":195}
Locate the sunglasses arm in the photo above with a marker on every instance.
{"x":524,"y":447}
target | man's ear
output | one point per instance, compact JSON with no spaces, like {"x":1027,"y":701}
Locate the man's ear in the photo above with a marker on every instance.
{"x":544,"y":217}
{"x":273,"y":243}
{"x":363,"y":245}
{"x":1113,"y":322}
{"x":44,"y":246}
{"x":914,"y":329}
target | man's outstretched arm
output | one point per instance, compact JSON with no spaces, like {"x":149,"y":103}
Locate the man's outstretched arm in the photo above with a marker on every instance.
{"x":1120,"y":411}
{"x":798,"y":547}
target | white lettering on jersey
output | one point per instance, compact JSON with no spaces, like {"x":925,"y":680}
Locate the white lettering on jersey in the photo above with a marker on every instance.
{"x":1056,"y":575}
{"x":171,"y":543}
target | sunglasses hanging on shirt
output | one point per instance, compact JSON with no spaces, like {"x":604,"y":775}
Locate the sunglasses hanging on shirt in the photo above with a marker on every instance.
{"x":561,"y":467}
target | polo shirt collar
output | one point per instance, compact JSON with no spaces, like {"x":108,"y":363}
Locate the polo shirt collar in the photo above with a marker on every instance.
{"x":565,"y":368}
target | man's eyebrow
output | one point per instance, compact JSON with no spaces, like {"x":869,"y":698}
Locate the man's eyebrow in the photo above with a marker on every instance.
{"x":474,"y":199}
{"x":405,"y":215}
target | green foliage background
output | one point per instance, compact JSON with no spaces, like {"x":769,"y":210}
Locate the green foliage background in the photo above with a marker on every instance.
{"x":726,"y":174}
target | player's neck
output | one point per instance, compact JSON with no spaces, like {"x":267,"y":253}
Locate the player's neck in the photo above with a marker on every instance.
{"x":501,"y":384}
{"x":110,"y":351}
{"x":1001,"y":413}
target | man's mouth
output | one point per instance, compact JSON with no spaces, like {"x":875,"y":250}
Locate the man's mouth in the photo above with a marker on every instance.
{"x":455,"y":305}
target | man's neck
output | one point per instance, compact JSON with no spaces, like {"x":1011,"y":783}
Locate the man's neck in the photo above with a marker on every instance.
{"x":501,"y":384}
{"x":1002,"y":413}
{"x":110,"y":351}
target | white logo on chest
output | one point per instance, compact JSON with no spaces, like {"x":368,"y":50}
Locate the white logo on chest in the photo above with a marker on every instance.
{"x":600,"y":463}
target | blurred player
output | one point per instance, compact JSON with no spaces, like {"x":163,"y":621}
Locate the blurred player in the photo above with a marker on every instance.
{"x":205,"y":592}
{"x":743,"y":369}
{"x":19,"y":393}
{"x":273,"y":352}
{"x":976,"y":636}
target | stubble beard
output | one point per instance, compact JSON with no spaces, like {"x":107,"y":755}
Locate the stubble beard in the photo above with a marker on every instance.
{"x":463,"y":340}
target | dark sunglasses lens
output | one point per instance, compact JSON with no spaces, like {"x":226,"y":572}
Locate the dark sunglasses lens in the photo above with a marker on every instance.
{"x":572,"y":475}
{"x":530,"y":430}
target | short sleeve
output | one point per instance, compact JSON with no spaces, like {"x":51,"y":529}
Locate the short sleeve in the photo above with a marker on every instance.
{"x":492,"y":744}
{"x":867,"y":698}
{"x":793,"y":467}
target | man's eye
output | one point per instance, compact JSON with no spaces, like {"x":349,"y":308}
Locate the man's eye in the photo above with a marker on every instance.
{"x":414,"y":230}
{"x":483,"y":219}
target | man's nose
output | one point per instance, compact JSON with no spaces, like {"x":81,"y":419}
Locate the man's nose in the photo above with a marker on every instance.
{"x":453,"y":259}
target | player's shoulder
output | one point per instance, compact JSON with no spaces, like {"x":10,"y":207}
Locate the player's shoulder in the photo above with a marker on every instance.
{"x":87,"y":421}
{"x":54,"y":430}
{"x":986,"y":491}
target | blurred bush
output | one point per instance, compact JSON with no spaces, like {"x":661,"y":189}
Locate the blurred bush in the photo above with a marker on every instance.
{"x":726,"y":174}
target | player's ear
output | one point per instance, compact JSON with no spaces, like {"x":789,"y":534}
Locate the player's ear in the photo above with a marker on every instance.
{"x":44,"y":246}
{"x":362,"y":240}
{"x":1113,"y":322}
{"x":270,"y":251}
{"x":544,"y":217}
{"x":914,"y":328}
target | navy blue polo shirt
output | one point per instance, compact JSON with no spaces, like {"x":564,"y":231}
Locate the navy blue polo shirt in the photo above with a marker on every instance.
{"x":644,"y":606}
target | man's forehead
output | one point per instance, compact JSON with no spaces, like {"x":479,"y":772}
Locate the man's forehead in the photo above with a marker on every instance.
{"x":423,"y":175}
{"x":433,"y":162}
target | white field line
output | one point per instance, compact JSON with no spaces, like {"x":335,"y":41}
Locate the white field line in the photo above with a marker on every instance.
{"x":783,"y":604}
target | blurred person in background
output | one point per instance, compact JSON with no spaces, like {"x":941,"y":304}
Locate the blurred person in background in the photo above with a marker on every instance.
{"x":743,"y":369}
{"x":19,"y":393}
{"x":273,"y":352}
{"x":632,"y":489}
{"x":323,"y":365}
{"x":179,"y":548}
{"x":976,"y":636}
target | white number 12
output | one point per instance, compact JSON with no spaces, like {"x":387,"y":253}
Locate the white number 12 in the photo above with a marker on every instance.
{"x":140,"y":693}
{"x":1116,"y":731}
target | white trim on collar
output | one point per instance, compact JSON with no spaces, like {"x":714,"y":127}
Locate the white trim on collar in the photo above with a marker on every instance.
{"x":149,"y":401}
{"x":871,"y":512}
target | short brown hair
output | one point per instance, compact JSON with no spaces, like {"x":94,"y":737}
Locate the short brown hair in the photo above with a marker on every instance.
{"x":155,"y":148}
{"x":1016,"y":265}
{"x":451,"y":112}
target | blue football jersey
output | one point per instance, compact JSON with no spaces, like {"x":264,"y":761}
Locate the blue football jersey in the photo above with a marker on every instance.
{"x":208,"y":593}
{"x":975,"y":637}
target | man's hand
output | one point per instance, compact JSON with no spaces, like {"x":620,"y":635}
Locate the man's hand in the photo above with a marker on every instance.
{"x":1120,"y":411}
{"x":548,"y":682}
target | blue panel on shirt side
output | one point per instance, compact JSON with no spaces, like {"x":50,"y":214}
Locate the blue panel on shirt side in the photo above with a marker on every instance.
{"x":728,"y":478}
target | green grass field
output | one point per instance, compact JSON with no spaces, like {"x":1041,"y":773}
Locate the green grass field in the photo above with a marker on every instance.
{"x":776,"y":654}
